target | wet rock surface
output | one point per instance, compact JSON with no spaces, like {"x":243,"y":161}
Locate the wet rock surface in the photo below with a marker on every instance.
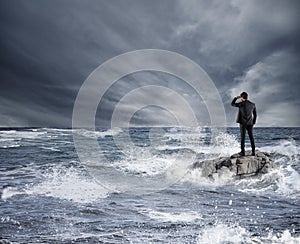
{"x":246,"y":165}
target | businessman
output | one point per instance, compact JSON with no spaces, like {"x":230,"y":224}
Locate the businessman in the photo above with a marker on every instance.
{"x":246,"y":118}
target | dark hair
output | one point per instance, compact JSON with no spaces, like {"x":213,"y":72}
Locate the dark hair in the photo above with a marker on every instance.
{"x":244,"y":95}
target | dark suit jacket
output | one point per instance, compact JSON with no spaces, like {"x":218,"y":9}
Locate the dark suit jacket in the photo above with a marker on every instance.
{"x":246,"y":110}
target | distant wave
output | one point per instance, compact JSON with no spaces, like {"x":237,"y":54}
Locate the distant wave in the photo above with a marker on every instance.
{"x":97,"y":134}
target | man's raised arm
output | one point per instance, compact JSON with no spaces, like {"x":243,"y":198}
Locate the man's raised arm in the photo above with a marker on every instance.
{"x":233,"y":103}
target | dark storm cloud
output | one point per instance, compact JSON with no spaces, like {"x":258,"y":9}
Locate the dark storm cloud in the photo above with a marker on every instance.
{"x":48,"y":48}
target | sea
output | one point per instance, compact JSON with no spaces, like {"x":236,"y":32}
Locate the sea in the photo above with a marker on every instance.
{"x":137,"y":185}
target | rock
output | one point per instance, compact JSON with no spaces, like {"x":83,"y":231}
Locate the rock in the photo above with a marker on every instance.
{"x":246,"y":165}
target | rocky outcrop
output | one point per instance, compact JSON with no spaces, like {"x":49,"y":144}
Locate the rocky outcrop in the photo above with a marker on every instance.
{"x":240,"y":165}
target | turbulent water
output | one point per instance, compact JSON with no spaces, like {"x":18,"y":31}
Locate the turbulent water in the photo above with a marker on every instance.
{"x":143,"y":190}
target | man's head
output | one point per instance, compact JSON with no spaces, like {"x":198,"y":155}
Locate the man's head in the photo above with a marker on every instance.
{"x":244,"y":95}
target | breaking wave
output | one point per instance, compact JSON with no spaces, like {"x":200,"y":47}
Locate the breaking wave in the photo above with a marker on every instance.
{"x":221,"y":233}
{"x":283,"y":180}
{"x":63,"y":183}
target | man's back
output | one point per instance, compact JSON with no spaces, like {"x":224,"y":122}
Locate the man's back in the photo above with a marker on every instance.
{"x":246,"y":110}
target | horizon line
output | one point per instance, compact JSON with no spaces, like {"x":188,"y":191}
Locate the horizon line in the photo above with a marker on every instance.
{"x":107,"y":127}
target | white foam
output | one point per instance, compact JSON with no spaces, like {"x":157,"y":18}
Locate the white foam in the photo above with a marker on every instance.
{"x":6,"y":139}
{"x":225,"y":144}
{"x":12,"y":138}
{"x":288,"y":148}
{"x":28,"y":134}
{"x":289,"y":183}
{"x":10,"y":146}
{"x":8,"y":131}
{"x":67,"y":184}
{"x":286,"y":237}
{"x":7,"y":142}
{"x":222,"y":178}
{"x":221,"y":233}
{"x":141,"y":161}
{"x":173,"y":129}
{"x":8,"y":219}
{"x":186,"y":136}
{"x":59,"y":130}
{"x":189,"y":216}
{"x":150,"y":167}
{"x":9,"y":192}
{"x":71,"y":185}
{"x":51,"y":149}
{"x":98,"y":134}
{"x":284,"y":179}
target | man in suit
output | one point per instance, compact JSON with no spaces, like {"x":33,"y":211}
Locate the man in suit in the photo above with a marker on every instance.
{"x":246,"y":118}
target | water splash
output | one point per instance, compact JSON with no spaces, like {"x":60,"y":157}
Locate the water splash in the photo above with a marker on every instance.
{"x":225,"y":145}
{"x":63,"y":183}
{"x":221,"y":233}
{"x":283,"y":180}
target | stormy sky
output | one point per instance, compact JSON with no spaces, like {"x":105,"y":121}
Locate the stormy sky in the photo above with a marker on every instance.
{"x":48,"y":48}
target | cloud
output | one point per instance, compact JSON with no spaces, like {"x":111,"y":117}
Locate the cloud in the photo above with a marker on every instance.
{"x":228,"y":37}
{"x":137,"y":83}
{"x":16,"y":114}
{"x":49,"y":48}
{"x":273,"y":85}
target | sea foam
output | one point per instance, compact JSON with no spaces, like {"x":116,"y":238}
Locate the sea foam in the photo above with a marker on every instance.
{"x":189,"y":216}
{"x":221,"y":233}
{"x":65,"y":184}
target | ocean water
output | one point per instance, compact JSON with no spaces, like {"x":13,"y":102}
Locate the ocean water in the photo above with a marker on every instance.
{"x":137,"y":187}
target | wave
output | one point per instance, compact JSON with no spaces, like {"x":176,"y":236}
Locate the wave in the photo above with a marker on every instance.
{"x":174,"y":166}
{"x":53,"y":149}
{"x":14,"y":138}
{"x":223,"y":178}
{"x":287,"y":148}
{"x":22,"y":134}
{"x":190,"y":216}
{"x":157,"y":160}
{"x":283,"y":180}
{"x":7,"y":142}
{"x":98,"y":134}
{"x":144,"y":162}
{"x":65,"y":184}
{"x":221,"y":233}
{"x":8,"y":131}
{"x":223,"y":144}
{"x":10,"y":146}
{"x":149,"y":167}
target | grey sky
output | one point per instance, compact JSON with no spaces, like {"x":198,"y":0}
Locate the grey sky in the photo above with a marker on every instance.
{"x":48,"y":48}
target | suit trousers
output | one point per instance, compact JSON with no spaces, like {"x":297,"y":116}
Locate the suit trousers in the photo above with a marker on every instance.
{"x":243,"y":129}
